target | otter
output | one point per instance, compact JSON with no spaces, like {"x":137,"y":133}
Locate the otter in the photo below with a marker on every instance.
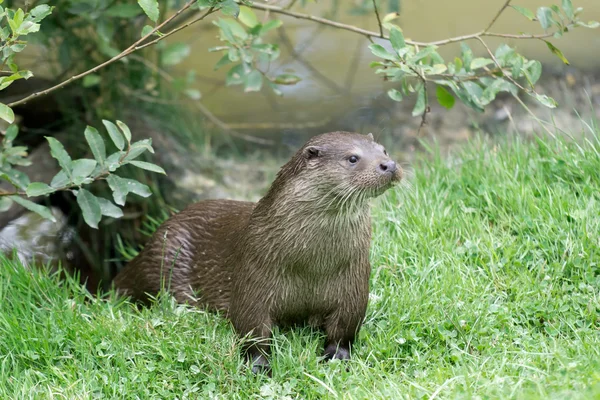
{"x":300,"y":254}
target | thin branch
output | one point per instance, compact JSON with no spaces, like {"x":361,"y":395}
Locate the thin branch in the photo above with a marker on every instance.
{"x":378,"y":19}
{"x":497,"y":15}
{"x":134,"y":47}
{"x":491,"y":54}
{"x":371,"y":34}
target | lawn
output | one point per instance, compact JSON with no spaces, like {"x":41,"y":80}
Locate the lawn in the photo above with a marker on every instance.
{"x":485,"y":284}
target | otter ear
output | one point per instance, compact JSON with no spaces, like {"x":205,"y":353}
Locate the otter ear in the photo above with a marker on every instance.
{"x":313,"y":152}
{"x":370,"y":135}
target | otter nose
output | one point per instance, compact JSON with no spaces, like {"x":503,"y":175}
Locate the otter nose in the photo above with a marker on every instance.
{"x":387,"y":166}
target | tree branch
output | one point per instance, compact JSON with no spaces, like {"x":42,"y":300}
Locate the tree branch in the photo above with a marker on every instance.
{"x":378,"y":19}
{"x":371,"y":34}
{"x":134,"y":47}
{"x":497,"y":15}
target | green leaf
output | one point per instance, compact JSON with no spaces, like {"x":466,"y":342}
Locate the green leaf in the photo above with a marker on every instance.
{"x":38,"y":189}
{"x":395,"y":95}
{"x":236,"y":75}
{"x":82,"y":168}
{"x":138,"y":148}
{"x":193,"y":94}
{"x":527,"y":13}
{"x":148,"y":166}
{"x":466,"y":55}
{"x":150,"y":7}
{"x":58,"y":151}
{"x":40,"y":12}
{"x":381,"y":52}
{"x":222,"y":62}
{"x":17,"y":20}
{"x":146,"y":30}
{"x":138,"y":188}
{"x":92,"y":214}
{"x":60,"y":180}
{"x":422,"y":54}
{"x":119,"y":188}
{"x":175,"y":53}
{"x":421,"y":103}
{"x":36,"y":208}
{"x":6,"y":113}
{"x":114,"y":134}
{"x":109,"y":209}
{"x":545,"y":100}
{"x":275,"y":88}
{"x":122,"y":186}
{"x":480,"y":62}
{"x":544,"y":15}
{"x":232,"y":27}
{"x":28,"y":27}
{"x":5,"y":204}
{"x":96,"y":144}
{"x":247,"y":17}
{"x":397,"y":39}
{"x":17,"y":178}
{"x":444,"y":97}
{"x":589,"y":24}
{"x":567,"y":6}
{"x":113,"y":161}
{"x":123,"y":10}
{"x":556,"y":52}
{"x":11,"y":133}
{"x":230,"y":7}
{"x":125,"y":129}
{"x":496,"y":86}
{"x":254,"y":81}
{"x":474,"y":90}
{"x":533,"y":72}
{"x":270,"y":25}
{"x":286,"y":79}
{"x":91,"y":80}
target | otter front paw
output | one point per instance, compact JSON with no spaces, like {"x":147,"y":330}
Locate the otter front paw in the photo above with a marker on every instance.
{"x":260,"y":364}
{"x":336,"y":352}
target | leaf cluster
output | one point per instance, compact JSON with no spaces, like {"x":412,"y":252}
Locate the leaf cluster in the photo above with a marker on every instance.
{"x":475,"y":81}
{"x":74,"y":175}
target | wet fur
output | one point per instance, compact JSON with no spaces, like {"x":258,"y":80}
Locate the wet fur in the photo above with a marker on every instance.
{"x":301,"y":254}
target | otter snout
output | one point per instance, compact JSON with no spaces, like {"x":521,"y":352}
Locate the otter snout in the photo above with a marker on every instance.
{"x":388,"y":166}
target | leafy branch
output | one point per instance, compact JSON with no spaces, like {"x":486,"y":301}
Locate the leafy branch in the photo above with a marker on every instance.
{"x":385,"y":21}
{"x":147,"y":32}
{"x":75,"y":174}
{"x":472,"y":80}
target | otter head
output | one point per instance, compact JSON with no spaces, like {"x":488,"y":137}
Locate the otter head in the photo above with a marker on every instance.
{"x":346,"y":166}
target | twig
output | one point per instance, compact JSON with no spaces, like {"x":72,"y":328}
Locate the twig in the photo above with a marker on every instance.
{"x":134,"y":47}
{"x":371,"y":34}
{"x":378,"y":19}
{"x":201,"y":107}
{"x":497,"y":15}
{"x":491,"y":54}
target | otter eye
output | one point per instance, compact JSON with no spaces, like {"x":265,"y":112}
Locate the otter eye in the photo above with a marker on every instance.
{"x":353,"y":159}
{"x":385,"y":152}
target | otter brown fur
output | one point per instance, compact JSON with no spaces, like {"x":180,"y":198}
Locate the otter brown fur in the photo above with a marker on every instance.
{"x":300,"y":254}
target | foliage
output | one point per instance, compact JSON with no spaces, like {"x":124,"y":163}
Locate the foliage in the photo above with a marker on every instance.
{"x":245,"y":47}
{"x":485,"y":285}
{"x":75,"y":174}
{"x":18,"y":24}
{"x":475,"y":81}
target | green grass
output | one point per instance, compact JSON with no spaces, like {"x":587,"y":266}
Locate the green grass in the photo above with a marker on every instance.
{"x":485,"y":284}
